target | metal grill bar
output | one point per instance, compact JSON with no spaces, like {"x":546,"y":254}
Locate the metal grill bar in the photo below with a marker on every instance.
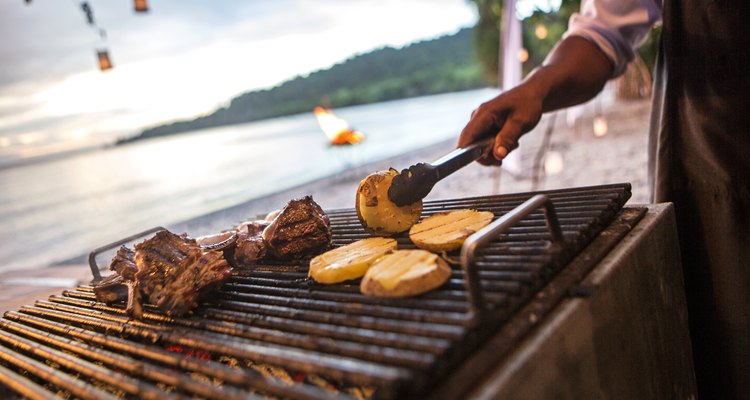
{"x":329,"y":338}
{"x":114,"y":379}
{"x":25,"y":387}
{"x":500,"y":226}
{"x":332,"y":331}
{"x":398,"y":357}
{"x":340,"y":368}
{"x":48,"y":374}
{"x":158,"y":355}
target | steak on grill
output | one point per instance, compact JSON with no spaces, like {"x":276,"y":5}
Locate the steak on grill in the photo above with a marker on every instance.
{"x":302,"y":228}
{"x":173,"y":272}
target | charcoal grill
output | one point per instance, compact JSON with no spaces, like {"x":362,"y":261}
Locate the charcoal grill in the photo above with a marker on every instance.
{"x":272,"y":332}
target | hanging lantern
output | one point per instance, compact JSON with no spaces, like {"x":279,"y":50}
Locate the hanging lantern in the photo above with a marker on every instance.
{"x":140,"y":5}
{"x":104,"y":62}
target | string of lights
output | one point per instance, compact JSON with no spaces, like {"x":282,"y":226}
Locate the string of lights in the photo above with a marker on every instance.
{"x":102,"y":53}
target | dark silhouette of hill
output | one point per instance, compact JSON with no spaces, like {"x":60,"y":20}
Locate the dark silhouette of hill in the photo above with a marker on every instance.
{"x":445,"y":64}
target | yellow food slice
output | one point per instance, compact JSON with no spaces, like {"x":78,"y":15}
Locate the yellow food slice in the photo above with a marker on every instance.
{"x":350,"y":261}
{"x":405,"y":273}
{"x":377,"y":213}
{"x":448,"y":231}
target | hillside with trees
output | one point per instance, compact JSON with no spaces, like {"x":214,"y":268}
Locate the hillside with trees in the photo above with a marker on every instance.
{"x":445,"y":64}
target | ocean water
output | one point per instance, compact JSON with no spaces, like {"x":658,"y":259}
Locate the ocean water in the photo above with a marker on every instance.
{"x":60,"y":209}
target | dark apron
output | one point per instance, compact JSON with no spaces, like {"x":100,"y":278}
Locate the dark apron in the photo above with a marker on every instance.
{"x":699,"y":152}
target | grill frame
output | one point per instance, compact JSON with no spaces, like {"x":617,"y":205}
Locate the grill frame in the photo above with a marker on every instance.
{"x":400,"y":346}
{"x":565,"y":284}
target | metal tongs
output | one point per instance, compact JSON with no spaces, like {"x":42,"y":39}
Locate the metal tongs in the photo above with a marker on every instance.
{"x":415,"y":182}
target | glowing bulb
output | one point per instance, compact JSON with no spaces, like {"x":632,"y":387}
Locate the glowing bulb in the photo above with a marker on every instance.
{"x":553,"y":163}
{"x":600,"y":126}
{"x":140,"y":5}
{"x":523,"y":55}
{"x":541,"y":31}
{"x":4,"y":142}
{"x":104,"y":62}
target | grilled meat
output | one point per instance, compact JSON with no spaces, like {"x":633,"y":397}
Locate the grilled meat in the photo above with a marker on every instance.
{"x":115,"y":287}
{"x":123,"y":263}
{"x":112,"y":289}
{"x":250,"y":246}
{"x":300,"y":229}
{"x":173,"y":272}
{"x":169,"y":271}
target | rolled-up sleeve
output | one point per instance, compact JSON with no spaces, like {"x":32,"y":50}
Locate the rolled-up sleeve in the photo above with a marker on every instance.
{"x":617,"y":27}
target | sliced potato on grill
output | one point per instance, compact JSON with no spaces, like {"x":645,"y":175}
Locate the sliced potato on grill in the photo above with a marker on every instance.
{"x":448,"y":231}
{"x":377,"y":213}
{"x":350,"y":261}
{"x":405,"y":273}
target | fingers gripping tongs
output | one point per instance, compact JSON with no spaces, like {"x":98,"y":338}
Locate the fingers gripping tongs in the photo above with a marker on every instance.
{"x":415,"y":182}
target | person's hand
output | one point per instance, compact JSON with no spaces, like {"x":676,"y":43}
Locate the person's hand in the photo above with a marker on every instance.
{"x":507,"y":117}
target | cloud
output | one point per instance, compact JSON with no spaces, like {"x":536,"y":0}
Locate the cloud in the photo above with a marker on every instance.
{"x":183,"y":58}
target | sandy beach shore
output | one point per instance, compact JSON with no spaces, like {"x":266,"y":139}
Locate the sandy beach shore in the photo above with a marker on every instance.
{"x":618,"y":156}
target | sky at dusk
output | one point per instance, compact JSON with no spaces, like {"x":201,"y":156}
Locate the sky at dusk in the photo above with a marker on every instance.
{"x":181,"y":59}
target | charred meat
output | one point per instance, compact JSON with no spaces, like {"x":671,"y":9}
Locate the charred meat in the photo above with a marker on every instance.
{"x":112,"y":289}
{"x":173,"y":272}
{"x":115,"y":287}
{"x":168,"y":271}
{"x":123,"y":263}
{"x":300,"y":229}
{"x":250,"y":247}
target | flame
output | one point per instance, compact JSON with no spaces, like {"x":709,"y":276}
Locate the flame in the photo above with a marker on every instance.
{"x":337,"y":130}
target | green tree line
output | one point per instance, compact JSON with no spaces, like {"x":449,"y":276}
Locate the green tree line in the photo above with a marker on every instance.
{"x":445,"y":64}
{"x":462,"y":61}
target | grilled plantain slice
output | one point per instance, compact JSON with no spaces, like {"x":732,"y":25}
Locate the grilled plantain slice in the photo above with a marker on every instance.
{"x":378,"y":214}
{"x":447,"y":231}
{"x":405,"y":273}
{"x":350,"y":261}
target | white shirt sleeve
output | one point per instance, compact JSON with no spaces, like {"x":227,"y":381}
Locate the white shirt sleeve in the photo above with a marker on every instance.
{"x":617,"y":27}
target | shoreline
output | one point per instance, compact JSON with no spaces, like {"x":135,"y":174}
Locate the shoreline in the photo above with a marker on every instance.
{"x":337,"y":191}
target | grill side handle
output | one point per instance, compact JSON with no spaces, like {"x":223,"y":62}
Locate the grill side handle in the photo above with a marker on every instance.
{"x":95,"y":270}
{"x":491,"y":231}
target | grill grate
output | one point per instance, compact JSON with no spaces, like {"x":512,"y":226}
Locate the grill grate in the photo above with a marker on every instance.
{"x":317,"y":341}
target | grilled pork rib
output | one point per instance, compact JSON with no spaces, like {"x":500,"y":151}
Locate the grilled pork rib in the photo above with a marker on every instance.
{"x":116,"y":286}
{"x":168,"y":271}
{"x":124,"y":263}
{"x":173,"y":272}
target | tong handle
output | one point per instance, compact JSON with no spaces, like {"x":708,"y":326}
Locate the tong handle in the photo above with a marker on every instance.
{"x":461,"y":157}
{"x":496,"y":228}
{"x":92,"y":256}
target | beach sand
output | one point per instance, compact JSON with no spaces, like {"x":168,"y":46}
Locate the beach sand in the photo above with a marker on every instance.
{"x":619,"y":156}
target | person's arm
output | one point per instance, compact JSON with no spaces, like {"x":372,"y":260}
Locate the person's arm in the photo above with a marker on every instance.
{"x":574,"y":72}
